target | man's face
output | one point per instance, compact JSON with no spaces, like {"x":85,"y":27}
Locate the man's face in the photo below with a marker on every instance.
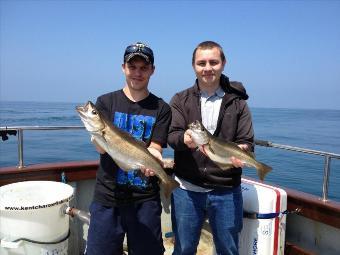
{"x":208,"y":66}
{"x":137,"y":73}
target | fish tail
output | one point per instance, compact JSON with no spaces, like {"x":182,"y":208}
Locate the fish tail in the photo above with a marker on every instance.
{"x":168,"y":187}
{"x":262,"y":170}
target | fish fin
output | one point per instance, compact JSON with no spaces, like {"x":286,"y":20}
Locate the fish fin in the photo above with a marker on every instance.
{"x":168,"y":163}
{"x":262,"y":170}
{"x":250,"y":153}
{"x":141,"y":143}
{"x":224,"y":166}
{"x":122,"y":166}
{"x":246,"y":151}
{"x":161,"y":162}
{"x":211,"y":149}
{"x":125,"y":166}
{"x":207,"y":147}
{"x":102,"y":136}
{"x":168,"y":187}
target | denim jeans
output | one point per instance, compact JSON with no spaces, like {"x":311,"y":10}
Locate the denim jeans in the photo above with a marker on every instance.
{"x":223,"y":208}
{"x":141,"y":222}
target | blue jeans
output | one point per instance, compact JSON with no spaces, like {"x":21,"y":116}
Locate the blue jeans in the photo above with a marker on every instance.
{"x":141,"y":222}
{"x":224,"y":209}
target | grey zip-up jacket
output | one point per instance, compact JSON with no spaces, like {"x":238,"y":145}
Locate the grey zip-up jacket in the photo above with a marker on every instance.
{"x":234,"y":124}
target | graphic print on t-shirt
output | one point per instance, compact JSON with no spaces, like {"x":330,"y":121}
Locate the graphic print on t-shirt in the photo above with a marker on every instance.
{"x":140,"y":127}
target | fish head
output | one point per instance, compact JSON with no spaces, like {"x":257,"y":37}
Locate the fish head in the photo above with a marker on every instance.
{"x":91,"y":118}
{"x":199,"y":133}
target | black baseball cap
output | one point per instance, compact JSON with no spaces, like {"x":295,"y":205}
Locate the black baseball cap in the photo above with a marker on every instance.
{"x":139,"y":49}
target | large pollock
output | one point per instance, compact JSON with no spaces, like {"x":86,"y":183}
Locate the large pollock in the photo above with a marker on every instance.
{"x":128,"y":153}
{"x":220,"y":151}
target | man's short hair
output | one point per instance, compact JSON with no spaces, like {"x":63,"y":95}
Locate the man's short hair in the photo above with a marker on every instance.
{"x":208,"y":45}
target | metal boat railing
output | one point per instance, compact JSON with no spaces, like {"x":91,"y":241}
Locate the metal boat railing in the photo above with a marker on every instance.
{"x":327,"y":155}
{"x":20,"y":131}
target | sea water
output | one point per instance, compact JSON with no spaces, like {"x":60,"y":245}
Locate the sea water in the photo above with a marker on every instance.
{"x":308,"y":128}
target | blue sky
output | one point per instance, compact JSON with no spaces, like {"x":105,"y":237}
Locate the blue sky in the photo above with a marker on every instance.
{"x":287,"y":53}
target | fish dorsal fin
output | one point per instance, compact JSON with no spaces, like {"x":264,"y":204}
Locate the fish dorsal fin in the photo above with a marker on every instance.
{"x":249,"y":153}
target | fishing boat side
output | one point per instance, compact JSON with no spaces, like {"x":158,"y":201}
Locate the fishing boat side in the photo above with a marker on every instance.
{"x":312,"y":225}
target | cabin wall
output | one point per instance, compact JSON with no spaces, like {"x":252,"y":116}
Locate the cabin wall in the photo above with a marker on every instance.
{"x":313,"y":236}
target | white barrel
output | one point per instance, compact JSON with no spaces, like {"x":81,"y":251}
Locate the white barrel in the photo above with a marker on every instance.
{"x":32,"y":217}
{"x":265,"y":235}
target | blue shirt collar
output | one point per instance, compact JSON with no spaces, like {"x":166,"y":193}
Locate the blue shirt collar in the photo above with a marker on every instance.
{"x":219,"y":92}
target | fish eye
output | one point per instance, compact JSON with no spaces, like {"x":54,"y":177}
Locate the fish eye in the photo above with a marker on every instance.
{"x":94,"y":112}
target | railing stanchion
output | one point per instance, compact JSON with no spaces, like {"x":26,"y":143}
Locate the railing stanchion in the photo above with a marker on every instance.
{"x":21,"y":148}
{"x":326,"y":178}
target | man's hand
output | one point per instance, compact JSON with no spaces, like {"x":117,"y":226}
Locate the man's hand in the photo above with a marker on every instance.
{"x":188,"y":139}
{"x":155,"y":149}
{"x":235,"y":161}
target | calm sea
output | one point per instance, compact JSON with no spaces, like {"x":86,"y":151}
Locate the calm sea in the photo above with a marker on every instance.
{"x":313,"y":129}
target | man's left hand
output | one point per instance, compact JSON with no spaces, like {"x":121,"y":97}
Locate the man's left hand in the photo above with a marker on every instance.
{"x":237,"y":162}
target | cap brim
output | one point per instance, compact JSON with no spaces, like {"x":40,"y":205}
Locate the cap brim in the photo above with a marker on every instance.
{"x":132,"y":55}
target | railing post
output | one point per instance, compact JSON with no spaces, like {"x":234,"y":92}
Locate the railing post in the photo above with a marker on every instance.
{"x":21,"y":148}
{"x":326,"y":178}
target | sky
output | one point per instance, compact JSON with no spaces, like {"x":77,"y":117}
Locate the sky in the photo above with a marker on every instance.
{"x":286,"y":53}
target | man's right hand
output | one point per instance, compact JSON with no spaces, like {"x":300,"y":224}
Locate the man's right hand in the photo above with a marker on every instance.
{"x":188,"y":139}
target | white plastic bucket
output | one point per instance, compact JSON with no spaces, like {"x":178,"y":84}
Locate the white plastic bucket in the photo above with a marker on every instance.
{"x":31,"y":216}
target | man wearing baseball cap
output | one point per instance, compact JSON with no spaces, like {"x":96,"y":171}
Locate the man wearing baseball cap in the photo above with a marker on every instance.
{"x":128,"y":203}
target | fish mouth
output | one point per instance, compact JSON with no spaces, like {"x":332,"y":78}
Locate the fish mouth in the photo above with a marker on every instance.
{"x":82,"y":110}
{"x":79,"y":108}
{"x":87,"y":114}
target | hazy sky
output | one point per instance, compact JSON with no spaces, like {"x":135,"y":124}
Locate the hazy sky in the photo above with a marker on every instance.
{"x":287,"y":53}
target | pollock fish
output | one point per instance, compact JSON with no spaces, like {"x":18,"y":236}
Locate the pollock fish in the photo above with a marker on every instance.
{"x":220,"y":151}
{"x":128,"y":153}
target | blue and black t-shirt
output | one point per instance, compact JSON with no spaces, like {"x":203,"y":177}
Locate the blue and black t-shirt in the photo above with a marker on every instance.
{"x":146,"y":120}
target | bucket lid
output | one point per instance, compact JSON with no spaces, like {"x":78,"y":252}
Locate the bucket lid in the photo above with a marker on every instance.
{"x":32,"y":195}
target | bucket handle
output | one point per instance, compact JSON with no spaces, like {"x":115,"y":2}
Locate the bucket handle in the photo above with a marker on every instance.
{"x":10,"y":244}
